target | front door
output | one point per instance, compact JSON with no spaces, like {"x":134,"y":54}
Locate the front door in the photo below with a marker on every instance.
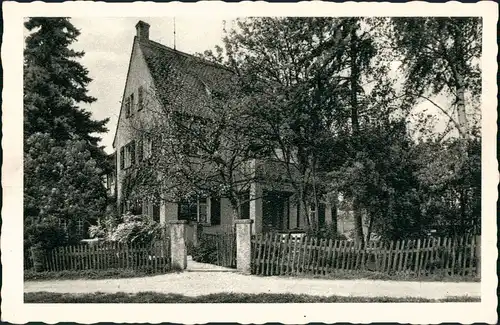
{"x":275,"y":211}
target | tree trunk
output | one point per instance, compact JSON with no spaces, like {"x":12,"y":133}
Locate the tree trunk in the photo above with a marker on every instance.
{"x":461,"y":113}
{"x":358,"y":223}
{"x":370,"y":227}
{"x":354,"y":79}
{"x":334,"y":218}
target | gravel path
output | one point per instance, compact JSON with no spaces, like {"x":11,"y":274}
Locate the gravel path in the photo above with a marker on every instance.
{"x":196,"y":283}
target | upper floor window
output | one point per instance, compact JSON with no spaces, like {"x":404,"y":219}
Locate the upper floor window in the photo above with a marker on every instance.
{"x":127,"y":155}
{"x":132,"y":104}
{"x":127,"y":107}
{"x":122,"y":157}
{"x":140,"y":98}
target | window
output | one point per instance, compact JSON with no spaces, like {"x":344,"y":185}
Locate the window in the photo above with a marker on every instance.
{"x":140,"y":98}
{"x":188,"y":210}
{"x":245,"y":205}
{"x":122,"y":157}
{"x":215,"y":211}
{"x":79,"y":228}
{"x":127,"y":107}
{"x":202,"y":210}
{"x":132,"y":104}
{"x":156,"y":212}
{"x":128,"y":155}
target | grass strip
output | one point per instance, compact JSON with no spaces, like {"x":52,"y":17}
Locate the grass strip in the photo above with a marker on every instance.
{"x":155,"y":297}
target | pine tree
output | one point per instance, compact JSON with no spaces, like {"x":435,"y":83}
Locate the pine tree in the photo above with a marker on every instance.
{"x":55,"y":83}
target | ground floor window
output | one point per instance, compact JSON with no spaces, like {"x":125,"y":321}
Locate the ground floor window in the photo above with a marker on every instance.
{"x":245,"y":205}
{"x":188,"y":210}
{"x":215,"y":211}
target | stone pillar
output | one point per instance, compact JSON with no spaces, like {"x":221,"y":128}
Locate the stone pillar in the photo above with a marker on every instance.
{"x":256,"y":207}
{"x":243,"y":245}
{"x":178,"y":249}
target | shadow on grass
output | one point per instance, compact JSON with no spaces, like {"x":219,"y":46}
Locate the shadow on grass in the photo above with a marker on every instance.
{"x":155,"y":297}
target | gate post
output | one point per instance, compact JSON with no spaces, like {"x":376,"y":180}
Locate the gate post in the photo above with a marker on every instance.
{"x":243,"y":245}
{"x":178,"y":249}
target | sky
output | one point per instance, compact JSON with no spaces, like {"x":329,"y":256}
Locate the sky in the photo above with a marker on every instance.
{"x":107,"y":43}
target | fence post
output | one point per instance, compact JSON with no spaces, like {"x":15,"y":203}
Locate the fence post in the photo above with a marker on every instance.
{"x":243,"y":245}
{"x":478,"y":256}
{"x":178,"y":249}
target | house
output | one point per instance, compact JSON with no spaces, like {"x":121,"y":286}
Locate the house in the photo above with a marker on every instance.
{"x":270,"y":209}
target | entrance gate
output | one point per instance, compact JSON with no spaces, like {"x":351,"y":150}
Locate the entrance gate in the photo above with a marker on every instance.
{"x":217,"y":248}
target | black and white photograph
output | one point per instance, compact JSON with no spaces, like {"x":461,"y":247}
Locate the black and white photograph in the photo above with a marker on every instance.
{"x":249,"y":162}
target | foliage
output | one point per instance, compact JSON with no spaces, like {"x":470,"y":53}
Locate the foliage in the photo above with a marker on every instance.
{"x":55,"y":83}
{"x":441,"y":55}
{"x":205,"y":252}
{"x":62,"y":159}
{"x":320,"y":98}
{"x":134,"y":229}
{"x":44,"y":235}
{"x":104,"y":227}
{"x":61,"y":181}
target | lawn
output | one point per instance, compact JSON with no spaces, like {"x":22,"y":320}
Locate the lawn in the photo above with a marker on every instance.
{"x":30,"y":275}
{"x":370,"y":275}
{"x":155,"y":297}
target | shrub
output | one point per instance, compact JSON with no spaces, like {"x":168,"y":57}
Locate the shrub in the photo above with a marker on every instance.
{"x":135,"y":229}
{"x":44,"y":235}
{"x":205,"y":252}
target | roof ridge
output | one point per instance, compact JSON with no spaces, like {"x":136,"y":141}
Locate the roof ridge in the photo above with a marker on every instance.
{"x":188,"y":55}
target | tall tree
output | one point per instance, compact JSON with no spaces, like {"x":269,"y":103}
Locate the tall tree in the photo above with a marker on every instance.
{"x":441,"y":56}
{"x":61,"y":182}
{"x":282,"y":64}
{"x":55,"y":83}
{"x":62,"y":157}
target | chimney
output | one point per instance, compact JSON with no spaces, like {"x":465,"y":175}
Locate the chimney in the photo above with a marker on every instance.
{"x":142,"y":29}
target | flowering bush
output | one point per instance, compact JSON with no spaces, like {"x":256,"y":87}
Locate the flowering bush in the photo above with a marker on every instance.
{"x":133,"y":229}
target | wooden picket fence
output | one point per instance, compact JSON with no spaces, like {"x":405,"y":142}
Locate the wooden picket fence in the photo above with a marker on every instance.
{"x":153,"y":257}
{"x":276,"y":254}
{"x":224,"y":245}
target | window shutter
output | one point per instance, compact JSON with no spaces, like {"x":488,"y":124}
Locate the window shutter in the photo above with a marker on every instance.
{"x":132,"y":104}
{"x":127,"y":107}
{"x":132,"y":153}
{"x":215,"y":211}
{"x":140,"y":99}
{"x":140,"y":151}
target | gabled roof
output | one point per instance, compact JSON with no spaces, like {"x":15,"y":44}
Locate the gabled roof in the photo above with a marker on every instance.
{"x":160,"y":58}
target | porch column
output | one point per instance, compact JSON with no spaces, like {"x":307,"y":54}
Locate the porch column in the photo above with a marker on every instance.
{"x":243,"y":245}
{"x":256,"y":207}
{"x":178,"y":249}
